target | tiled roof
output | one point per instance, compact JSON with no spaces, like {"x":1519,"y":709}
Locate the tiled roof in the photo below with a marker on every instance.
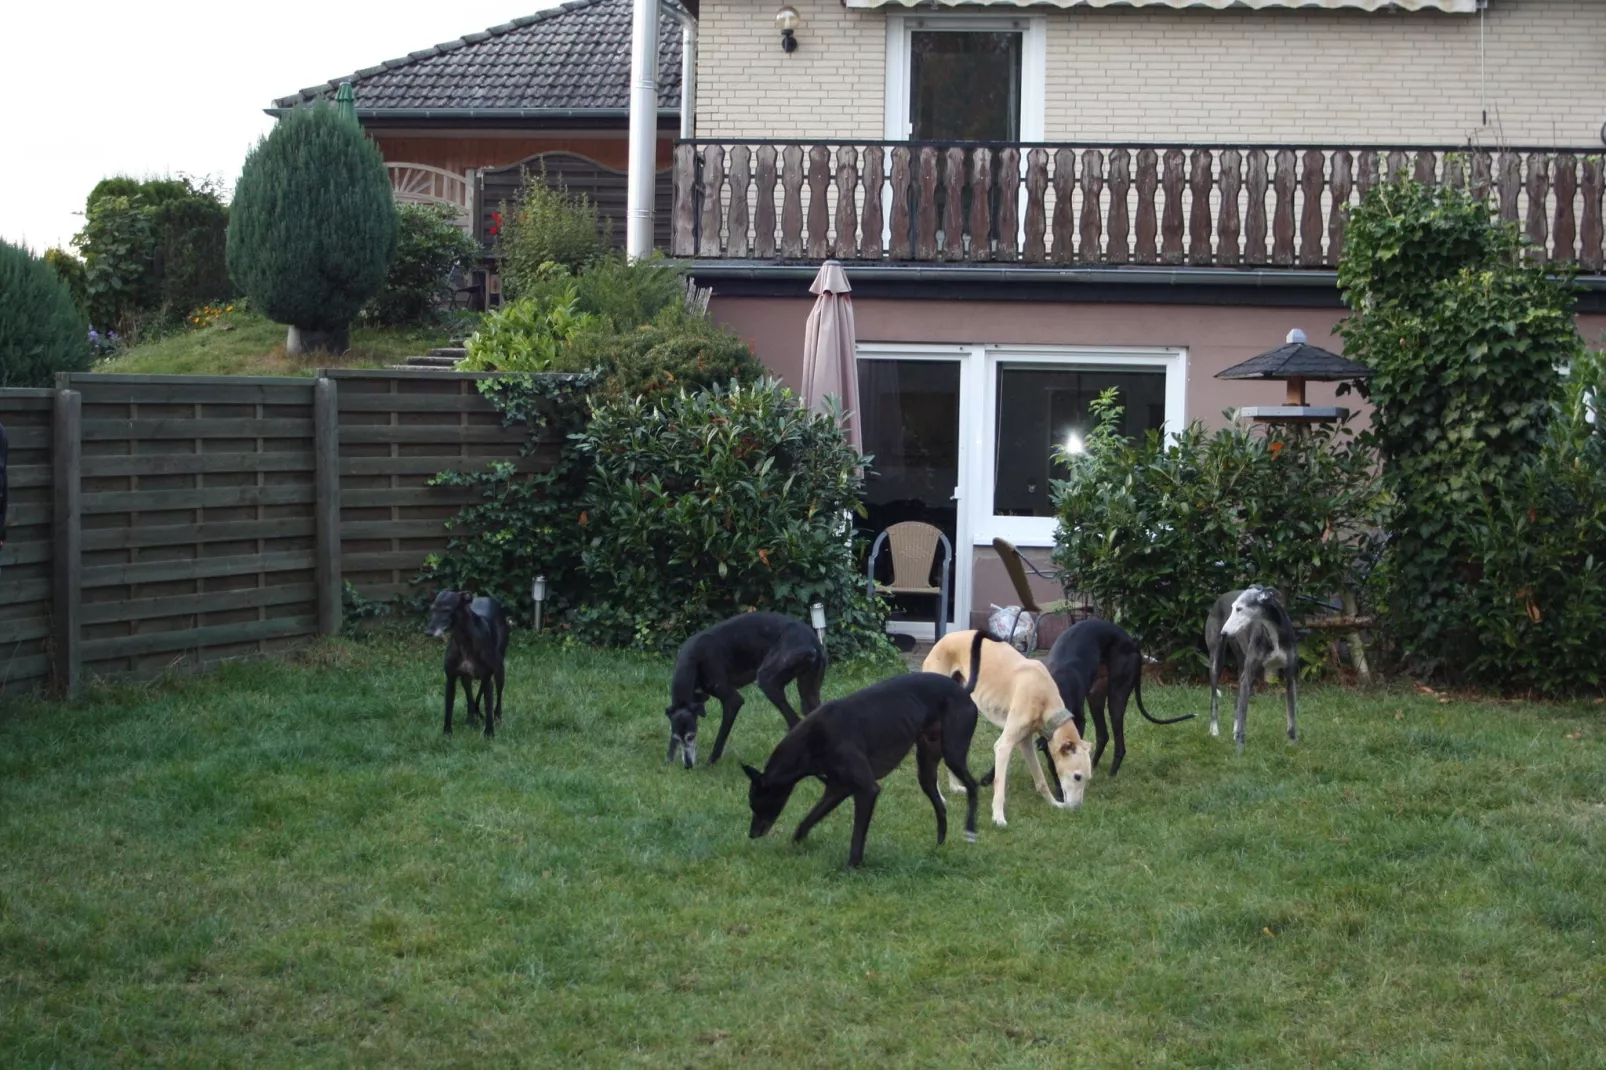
{"x":574,"y":56}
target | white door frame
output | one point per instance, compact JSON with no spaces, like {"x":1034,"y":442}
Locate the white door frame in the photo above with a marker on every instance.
{"x":961,"y":355}
{"x":974,"y":522}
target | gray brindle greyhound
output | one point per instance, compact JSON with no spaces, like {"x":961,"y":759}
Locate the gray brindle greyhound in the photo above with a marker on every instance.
{"x":1262,"y":635}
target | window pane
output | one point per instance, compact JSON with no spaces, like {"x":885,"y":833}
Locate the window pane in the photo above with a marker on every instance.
{"x":964,"y":86}
{"x":1041,"y":407}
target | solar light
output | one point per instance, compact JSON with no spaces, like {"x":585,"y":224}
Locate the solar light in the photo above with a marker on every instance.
{"x":817,"y":618}
{"x":538,"y":595}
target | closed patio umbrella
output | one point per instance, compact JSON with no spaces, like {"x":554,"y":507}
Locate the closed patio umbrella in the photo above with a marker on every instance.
{"x":828,"y":344}
{"x":346,"y":102}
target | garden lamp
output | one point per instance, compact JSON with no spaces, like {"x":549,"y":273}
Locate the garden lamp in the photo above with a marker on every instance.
{"x":817,"y":618}
{"x":538,"y":595}
{"x":787,"y":20}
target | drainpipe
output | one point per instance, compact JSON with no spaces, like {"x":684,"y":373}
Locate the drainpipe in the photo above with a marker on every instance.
{"x":643,"y":128}
{"x":688,"y":71}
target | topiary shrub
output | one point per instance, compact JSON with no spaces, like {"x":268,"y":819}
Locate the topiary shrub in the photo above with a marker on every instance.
{"x":42,"y":330}
{"x":703,"y":505}
{"x":1465,"y":338}
{"x":312,"y":227}
{"x":1154,"y":532}
{"x":430,"y":249}
{"x":547,"y":225}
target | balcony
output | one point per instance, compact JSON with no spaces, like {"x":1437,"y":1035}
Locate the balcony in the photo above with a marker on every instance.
{"x":1070,"y":205}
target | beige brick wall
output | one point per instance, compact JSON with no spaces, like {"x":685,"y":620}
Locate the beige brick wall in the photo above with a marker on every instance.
{"x":1196,"y":75}
{"x":832,"y":86}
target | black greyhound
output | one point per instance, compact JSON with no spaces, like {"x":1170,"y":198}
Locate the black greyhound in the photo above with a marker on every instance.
{"x":851,"y":743}
{"x":476,"y":649}
{"x":718,"y":662}
{"x":1076,"y":660}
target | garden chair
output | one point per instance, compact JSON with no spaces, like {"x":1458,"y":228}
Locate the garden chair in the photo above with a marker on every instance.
{"x":913,"y":546}
{"x":1017,"y":565}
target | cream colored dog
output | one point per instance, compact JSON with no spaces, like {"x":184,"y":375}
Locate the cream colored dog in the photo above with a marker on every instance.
{"x":1018,"y":695}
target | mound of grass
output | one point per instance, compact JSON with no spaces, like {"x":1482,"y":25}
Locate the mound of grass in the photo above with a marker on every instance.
{"x":245,"y":343}
{"x":288,"y":865}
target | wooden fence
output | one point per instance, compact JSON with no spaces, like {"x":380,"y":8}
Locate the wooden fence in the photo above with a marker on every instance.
{"x":181,"y":520}
{"x":1194,"y":205}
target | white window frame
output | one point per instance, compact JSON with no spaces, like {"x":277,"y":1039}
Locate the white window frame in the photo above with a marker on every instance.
{"x":1038,"y":531}
{"x":1033,"y":65}
{"x":975,"y":523}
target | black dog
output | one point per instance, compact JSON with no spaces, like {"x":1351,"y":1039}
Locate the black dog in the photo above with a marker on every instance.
{"x":476,"y":649}
{"x":1096,"y":660}
{"x":772,"y":648}
{"x":851,"y":743}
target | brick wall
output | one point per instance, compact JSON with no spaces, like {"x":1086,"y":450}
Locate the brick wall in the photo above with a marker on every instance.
{"x":1197,"y":75}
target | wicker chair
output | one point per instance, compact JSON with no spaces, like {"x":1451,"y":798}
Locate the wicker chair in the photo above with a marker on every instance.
{"x":1017,"y":565}
{"x":913,"y":546}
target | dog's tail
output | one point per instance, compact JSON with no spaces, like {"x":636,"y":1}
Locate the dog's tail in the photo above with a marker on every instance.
{"x":1137,"y":692}
{"x":975,"y":658}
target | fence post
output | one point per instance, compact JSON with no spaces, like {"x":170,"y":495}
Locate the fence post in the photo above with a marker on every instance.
{"x":66,"y":668}
{"x":326,"y":464}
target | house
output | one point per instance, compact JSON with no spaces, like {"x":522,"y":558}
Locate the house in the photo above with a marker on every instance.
{"x":1035,"y":201}
{"x":458,"y":121}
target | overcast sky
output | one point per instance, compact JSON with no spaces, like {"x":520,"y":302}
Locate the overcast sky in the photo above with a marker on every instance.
{"x":158,"y":87}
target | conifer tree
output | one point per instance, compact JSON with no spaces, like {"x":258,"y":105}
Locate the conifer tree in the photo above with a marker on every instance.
{"x":42,"y":330}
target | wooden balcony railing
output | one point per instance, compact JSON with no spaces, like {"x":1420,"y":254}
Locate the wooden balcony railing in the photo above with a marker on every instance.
{"x":1190,"y":205}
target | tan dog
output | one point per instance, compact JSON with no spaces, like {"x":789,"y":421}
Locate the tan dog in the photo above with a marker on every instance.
{"x":1018,"y":695}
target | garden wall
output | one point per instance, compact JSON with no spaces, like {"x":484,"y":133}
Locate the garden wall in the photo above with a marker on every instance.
{"x":175,"y":521}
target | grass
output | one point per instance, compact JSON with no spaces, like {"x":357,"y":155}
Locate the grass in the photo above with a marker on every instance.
{"x":288,"y":865}
{"x":244,"y":343}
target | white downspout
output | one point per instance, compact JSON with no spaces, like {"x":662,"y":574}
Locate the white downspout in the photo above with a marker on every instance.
{"x":643,"y":128}
{"x":688,"y":73}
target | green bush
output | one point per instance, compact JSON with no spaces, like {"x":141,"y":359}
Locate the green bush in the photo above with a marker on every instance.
{"x":1465,"y":338}
{"x":528,"y":334}
{"x":430,"y":248}
{"x":624,"y":294}
{"x":1156,"y":532}
{"x":313,"y":225}
{"x":703,"y":505}
{"x":680,"y":350}
{"x":70,"y":270}
{"x":152,"y":251}
{"x":42,"y":330}
{"x":544,"y":225}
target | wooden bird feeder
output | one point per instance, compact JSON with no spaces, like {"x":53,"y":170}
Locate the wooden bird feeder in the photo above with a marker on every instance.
{"x":1296,"y":362}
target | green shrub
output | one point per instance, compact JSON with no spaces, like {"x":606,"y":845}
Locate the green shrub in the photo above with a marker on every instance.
{"x":680,"y":350}
{"x":1156,"y":532}
{"x":152,"y":251}
{"x":313,"y":226}
{"x":704,"y":505}
{"x":1465,"y":339}
{"x":625,"y":294}
{"x":546,"y":224}
{"x":430,"y":248}
{"x":42,"y":330}
{"x":70,"y":270}
{"x":527,"y":335}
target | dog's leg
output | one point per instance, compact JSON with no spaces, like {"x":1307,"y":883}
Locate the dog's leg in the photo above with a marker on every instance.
{"x":834,"y":794}
{"x":1028,"y":754}
{"x":1012,"y":737}
{"x":1101,"y":732}
{"x":863,"y":810}
{"x":730,"y":701}
{"x":957,"y":731}
{"x":928,"y":752}
{"x":1246,"y":687}
{"x":501,"y":685}
{"x":1215,"y":687}
{"x":1119,"y":693}
{"x":1290,"y":674}
{"x":772,"y":680}
{"x":451,"y":699}
{"x":485,"y":705}
{"x":808,"y":689}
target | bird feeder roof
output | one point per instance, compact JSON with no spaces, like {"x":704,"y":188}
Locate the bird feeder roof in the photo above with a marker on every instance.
{"x":1298,"y":359}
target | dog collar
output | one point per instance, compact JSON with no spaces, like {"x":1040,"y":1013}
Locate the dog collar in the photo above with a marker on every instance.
{"x":1052,"y":723}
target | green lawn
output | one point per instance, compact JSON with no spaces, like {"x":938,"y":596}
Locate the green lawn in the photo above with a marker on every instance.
{"x":287,"y":865}
{"x":244,"y":343}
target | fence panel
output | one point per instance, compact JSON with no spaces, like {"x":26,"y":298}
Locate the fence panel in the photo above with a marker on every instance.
{"x":28,"y":555}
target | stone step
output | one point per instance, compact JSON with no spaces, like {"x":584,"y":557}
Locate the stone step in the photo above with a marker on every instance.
{"x":442,"y":368}
{"x":433,"y":360}
{"x":455,"y":352}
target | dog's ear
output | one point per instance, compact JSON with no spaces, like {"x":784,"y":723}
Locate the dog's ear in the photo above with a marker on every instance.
{"x":1270,"y":594}
{"x":752,"y":774}
{"x":669,"y":712}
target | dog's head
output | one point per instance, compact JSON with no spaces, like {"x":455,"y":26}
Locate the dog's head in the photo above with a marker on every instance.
{"x":1253,"y":604}
{"x":443,"y":609}
{"x":683,"y":731}
{"x":767,"y":800}
{"x":1072,"y":757}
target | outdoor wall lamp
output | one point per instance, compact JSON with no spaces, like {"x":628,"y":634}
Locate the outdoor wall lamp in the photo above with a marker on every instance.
{"x":786,"y":20}
{"x":538,"y":595}
{"x":817,"y":618}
